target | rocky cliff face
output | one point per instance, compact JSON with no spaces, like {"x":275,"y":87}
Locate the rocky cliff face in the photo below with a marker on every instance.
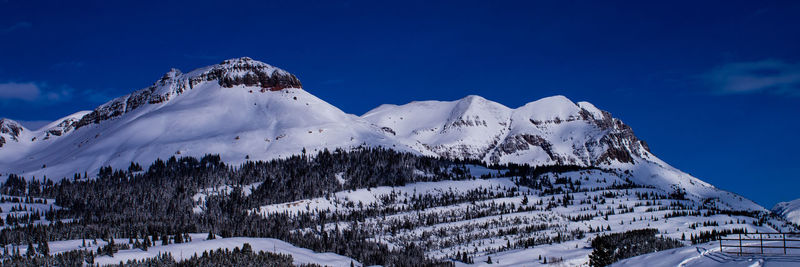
{"x":248,"y":72}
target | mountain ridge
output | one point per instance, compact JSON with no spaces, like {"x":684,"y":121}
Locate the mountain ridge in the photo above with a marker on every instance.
{"x":247,"y":110}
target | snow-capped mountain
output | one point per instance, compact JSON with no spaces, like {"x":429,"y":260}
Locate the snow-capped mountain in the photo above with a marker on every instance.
{"x":244,"y":109}
{"x":241,"y":109}
{"x":789,"y":210}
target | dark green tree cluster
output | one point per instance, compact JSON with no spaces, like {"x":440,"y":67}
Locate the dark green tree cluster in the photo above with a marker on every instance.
{"x":221,"y":257}
{"x":607,"y":249}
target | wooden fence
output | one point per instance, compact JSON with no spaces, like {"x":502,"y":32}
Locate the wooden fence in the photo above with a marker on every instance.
{"x":775,"y":243}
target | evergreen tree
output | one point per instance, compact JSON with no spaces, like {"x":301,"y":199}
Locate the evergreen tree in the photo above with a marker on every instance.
{"x":43,"y":247}
{"x":30,"y":252}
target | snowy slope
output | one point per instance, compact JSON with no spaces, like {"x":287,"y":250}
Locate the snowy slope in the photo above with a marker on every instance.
{"x":197,"y":247}
{"x":789,"y":210}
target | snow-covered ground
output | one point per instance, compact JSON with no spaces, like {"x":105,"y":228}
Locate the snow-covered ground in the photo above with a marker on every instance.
{"x":571,"y":255}
{"x":186,"y":250}
{"x":709,"y":255}
{"x":197,"y":246}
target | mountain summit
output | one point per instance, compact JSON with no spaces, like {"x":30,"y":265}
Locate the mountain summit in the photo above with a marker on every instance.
{"x":233,"y":72}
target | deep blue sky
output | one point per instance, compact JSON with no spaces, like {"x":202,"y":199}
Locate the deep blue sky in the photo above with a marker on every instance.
{"x":713,"y":87}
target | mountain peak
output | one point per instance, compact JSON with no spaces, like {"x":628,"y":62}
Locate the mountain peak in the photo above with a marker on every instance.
{"x":472,"y":98}
{"x":171,"y":74}
{"x":553,"y":108}
{"x":551,"y":101}
{"x":244,"y":71}
{"x":246,"y":63}
{"x":243,"y":61}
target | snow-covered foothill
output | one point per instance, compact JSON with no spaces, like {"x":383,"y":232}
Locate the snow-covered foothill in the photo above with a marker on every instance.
{"x":789,"y":210}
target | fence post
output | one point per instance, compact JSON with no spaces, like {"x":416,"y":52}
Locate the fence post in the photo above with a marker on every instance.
{"x":784,"y":243}
{"x":719,"y":237}
{"x":761,"y":238}
{"x":740,"y":245}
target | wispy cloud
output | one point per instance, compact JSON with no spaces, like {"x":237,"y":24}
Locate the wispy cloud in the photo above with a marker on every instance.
{"x":21,"y":91}
{"x":17,"y":26}
{"x":765,"y":76}
{"x":34,"y":92}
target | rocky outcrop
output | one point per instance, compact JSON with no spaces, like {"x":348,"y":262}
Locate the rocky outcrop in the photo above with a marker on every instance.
{"x":611,"y":141}
{"x":248,"y":72}
{"x":620,"y":141}
{"x":512,"y":144}
{"x":9,"y":129}
{"x":466,"y":121}
{"x":388,"y":130}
